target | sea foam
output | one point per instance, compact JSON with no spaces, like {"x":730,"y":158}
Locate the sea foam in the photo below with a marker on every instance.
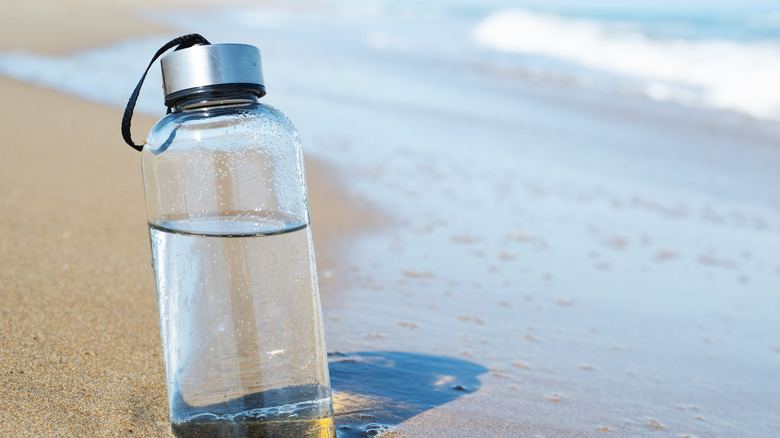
{"x":731,"y":75}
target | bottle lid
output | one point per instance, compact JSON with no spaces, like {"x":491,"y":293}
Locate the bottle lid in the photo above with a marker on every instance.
{"x":209,"y":67}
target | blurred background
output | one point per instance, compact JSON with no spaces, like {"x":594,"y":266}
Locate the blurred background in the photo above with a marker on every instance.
{"x":706,"y":54}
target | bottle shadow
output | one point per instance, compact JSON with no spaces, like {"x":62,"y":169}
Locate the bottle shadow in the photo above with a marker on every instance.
{"x":374,"y":391}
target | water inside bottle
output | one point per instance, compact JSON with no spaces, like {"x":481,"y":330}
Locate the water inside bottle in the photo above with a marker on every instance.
{"x":241,"y":326}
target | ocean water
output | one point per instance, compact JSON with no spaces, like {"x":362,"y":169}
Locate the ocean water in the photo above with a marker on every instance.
{"x":723,"y":55}
{"x":718,"y":55}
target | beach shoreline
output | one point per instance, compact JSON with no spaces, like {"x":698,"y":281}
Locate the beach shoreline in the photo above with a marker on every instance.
{"x":514,"y":259}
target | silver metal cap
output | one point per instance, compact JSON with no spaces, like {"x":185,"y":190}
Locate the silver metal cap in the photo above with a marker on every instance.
{"x":192,"y":69}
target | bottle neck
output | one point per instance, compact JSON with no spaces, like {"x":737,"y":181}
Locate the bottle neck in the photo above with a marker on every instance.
{"x":210,"y":98}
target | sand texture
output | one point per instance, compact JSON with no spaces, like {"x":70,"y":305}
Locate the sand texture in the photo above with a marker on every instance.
{"x":80,"y":341}
{"x":80,"y":350}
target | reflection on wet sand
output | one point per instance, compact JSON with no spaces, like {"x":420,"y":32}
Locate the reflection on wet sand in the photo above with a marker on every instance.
{"x":374,"y":391}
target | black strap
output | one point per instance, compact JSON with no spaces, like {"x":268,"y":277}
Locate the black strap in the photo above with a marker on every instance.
{"x":181,"y":42}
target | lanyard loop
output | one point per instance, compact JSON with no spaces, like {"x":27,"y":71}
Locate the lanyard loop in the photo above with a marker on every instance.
{"x":181,"y":42}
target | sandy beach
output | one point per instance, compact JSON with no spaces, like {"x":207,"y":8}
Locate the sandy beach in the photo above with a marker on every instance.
{"x":80,"y":337}
{"x":73,"y":336}
{"x":517,"y":259}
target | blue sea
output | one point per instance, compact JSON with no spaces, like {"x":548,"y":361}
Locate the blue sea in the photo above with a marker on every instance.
{"x":716,"y":54}
{"x":723,"y":55}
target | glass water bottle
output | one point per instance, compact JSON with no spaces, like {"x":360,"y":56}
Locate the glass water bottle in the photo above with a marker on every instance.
{"x":232,"y":254}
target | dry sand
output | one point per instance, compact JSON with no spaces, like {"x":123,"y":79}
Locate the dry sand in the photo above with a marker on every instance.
{"x":52,"y":26}
{"x":80,"y":341}
{"x":80,"y":350}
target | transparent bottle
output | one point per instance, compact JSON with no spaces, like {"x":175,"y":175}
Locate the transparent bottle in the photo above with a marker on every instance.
{"x":232,"y":253}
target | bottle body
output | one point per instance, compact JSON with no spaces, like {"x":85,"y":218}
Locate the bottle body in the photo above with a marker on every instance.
{"x":234,"y":268}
